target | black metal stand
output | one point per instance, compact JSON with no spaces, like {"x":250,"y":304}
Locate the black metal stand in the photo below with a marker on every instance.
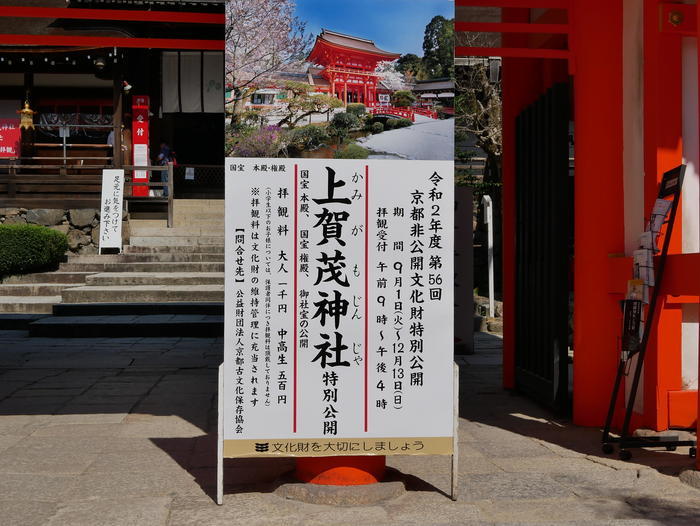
{"x":671,"y":185}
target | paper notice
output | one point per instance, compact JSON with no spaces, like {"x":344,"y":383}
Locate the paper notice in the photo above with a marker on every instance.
{"x":644,"y":266}
{"x":648,"y":240}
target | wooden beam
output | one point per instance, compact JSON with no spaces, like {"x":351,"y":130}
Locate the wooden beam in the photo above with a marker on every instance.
{"x":562,"y":54}
{"x":499,"y":27}
{"x":123,"y":42}
{"x":545,"y":4}
{"x":113,"y":14}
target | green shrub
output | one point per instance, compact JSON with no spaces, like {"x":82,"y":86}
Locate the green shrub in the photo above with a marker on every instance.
{"x":356,"y":108}
{"x":391,"y":124}
{"x":307,"y":137}
{"x":30,"y":248}
{"x":402,"y":123}
{"x":347,"y":121}
{"x":342,"y":124}
{"x":377,"y":127}
{"x":352,"y":151}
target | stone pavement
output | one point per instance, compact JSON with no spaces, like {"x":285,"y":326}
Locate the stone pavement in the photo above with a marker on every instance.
{"x":120,"y":432}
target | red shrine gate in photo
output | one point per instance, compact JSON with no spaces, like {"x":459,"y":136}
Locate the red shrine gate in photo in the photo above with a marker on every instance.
{"x":349,"y":65}
{"x":627,"y":72}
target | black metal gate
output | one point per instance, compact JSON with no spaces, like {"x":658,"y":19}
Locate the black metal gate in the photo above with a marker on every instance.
{"x":544,"y":201}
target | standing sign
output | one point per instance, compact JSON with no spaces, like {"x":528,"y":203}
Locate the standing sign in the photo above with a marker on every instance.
{"x":339,"y":308}
{"x":139,"y":111}
{"x":111,"y":209}
{"x":10,"y":134}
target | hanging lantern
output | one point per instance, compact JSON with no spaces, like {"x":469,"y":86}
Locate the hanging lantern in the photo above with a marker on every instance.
{"x":26,"y":117}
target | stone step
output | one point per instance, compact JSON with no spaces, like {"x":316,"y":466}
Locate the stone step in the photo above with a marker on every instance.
{"x":143,"y":293}
{"x":30,"y":304}
{"x":136,"y":309}
{"x":163,"y":325}
{"x":149,"y":258}
{"x":144,"y":267}
{"x":187,"y":231}
{"x":175,"y":241}
{"x":183,"y":249}
{"x":155,"y":278}
{"x":18,"y":322}
{"x":34,"y":289}
{"x":49,"y":277}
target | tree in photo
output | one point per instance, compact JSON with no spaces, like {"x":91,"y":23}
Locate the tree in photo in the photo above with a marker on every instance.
{"x":403,"y":98}
{"x":262,"y":37}
{"x":302,"y":102}
{"x":438,"y":47}
{"x":411,"y":66}
{"x":391,"y":76}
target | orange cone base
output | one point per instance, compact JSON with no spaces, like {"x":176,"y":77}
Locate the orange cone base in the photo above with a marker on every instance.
{"x":341,"y":471}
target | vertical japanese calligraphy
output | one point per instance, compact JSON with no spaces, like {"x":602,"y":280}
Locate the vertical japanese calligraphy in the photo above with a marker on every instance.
{"x":111,"y":209}
{"x":339,"y":334}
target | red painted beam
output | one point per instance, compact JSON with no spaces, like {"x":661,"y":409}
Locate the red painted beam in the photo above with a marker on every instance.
{"x":523,"y":4}
{"x":113,"y":14}
{"x":512,"y":52}
{"x":498,"y":27}
{"x":680,"y":277}
{"x":124,"y":42}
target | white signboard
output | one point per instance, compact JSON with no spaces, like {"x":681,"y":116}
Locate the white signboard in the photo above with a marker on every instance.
{"x":111,"y":209}
{"x":339,"y":308}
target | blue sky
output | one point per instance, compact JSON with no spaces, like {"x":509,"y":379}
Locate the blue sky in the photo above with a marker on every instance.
{"x":394,"y":25}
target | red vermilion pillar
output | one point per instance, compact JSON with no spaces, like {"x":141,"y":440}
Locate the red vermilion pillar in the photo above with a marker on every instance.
{"x":599,"y":203}
{"x":663,"y":150}
{"x":697,"y":459}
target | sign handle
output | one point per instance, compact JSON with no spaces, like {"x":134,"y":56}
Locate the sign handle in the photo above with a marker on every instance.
{"x":455,"y":435}
{"x":220,"y":442}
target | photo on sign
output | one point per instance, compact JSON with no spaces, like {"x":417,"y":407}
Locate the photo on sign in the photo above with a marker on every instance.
{"x":318,"y":79}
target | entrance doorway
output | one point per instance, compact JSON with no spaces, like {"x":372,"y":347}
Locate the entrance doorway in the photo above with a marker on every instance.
{"x":544,"y":245}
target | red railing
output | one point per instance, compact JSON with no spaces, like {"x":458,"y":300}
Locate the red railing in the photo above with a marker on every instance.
{"x":406,"y":113}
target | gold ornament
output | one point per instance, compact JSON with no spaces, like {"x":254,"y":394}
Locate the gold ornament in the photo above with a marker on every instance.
{"x":26,"y":117}
{"x":676,"y":18}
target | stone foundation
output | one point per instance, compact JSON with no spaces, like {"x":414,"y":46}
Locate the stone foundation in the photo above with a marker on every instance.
{"x":81,"y":226}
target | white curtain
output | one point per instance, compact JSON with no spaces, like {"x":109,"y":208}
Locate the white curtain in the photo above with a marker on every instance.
{"x":171,"y":101}
{"x":213,"y":82}
{"x":191,"y":81}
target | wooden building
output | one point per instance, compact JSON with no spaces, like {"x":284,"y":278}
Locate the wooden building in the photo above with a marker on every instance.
{"x":109,"y":81}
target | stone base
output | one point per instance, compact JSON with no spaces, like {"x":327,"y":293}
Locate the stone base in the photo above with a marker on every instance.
{"x":393,"y":486}
{"x":691,"y":477}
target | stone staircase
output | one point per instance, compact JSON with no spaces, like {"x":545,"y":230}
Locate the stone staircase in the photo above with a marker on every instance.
{"x":183,"y":264}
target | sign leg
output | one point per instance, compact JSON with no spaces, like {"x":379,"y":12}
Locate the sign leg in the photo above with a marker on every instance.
{"x":220,"y":442}
{"x":455,"y":436}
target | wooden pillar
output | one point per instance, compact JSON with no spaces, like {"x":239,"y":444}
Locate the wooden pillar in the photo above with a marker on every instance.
{"x":345,"y":96}
{"x":118,"y":98}
{"x":599,"y":157}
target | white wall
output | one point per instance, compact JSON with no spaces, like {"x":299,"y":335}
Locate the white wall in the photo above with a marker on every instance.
{"x":691,"y":203}
{"x":633,"y":141}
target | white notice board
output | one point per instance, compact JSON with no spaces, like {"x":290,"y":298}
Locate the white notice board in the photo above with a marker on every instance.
{"x":111,"y":209}
{"x":339,"y":308}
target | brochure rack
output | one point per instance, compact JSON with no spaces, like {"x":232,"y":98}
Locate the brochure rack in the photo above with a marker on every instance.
{"x":633,"y":307}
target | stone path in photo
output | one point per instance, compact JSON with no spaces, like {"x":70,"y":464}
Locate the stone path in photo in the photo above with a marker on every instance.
{"x":105,"y":432}
{"x":427,"y":139}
